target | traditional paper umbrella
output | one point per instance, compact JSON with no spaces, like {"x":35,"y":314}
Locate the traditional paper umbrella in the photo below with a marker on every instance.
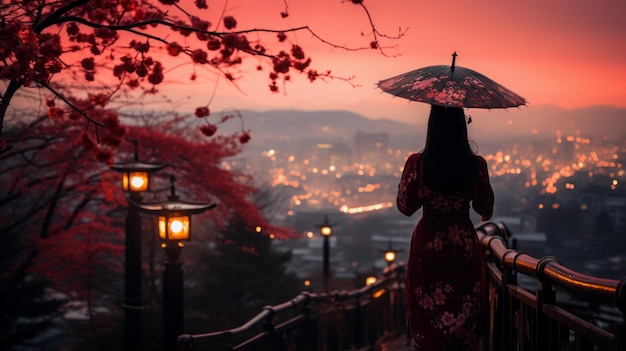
{"x":451,"y":86}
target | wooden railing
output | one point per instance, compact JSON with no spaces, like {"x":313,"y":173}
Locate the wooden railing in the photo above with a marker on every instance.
{"x":547,"y":318}
{"x":341,"y":320}
{"x":519,"y":318}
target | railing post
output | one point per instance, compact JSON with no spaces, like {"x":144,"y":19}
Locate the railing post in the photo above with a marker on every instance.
{"x":545,"y":295}
{"x":307,"y":340}
{"x":620,"y":332}
{"x":506,"y":335}
{"x":357,"y":324}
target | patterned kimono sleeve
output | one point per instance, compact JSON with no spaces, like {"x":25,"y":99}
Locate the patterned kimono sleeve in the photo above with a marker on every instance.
{"x":483,"y":194}
{"x":408,"y":200}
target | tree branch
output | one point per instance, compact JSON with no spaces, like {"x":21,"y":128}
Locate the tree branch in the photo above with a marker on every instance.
{"x":55,"y":16}
{"x":13,"y":87}
{"x":69,"y":103}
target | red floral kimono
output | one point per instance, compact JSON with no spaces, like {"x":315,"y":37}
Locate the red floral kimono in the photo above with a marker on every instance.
{"x":445,"y":271}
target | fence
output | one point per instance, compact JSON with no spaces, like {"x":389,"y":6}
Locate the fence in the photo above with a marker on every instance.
{"x":341,"y":320}
{"x":567,"y":311}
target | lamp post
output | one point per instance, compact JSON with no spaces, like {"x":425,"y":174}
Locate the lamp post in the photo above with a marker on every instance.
{"x":174,"y":228}
{"x":326,"y":229}
{"x":135,"y":180}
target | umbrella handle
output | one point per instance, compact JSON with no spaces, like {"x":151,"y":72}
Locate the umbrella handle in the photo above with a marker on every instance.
{"x":454,"y":55}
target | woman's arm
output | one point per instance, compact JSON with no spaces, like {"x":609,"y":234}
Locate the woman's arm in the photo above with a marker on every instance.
{"x":483,"y":197}
{"x":408,"y":200}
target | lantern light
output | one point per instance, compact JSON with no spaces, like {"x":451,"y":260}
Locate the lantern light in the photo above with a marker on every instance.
{"x":135,"y":174}
{"x":174,"y":216}
{"x":326,"y":228}
{"x":174,"y":227}
{"x":390,"y":254}
{"x":138,"y":181}
{"x":370,"y":280}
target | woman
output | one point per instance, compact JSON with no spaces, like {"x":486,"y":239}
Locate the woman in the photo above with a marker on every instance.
{"x":445,"y":275}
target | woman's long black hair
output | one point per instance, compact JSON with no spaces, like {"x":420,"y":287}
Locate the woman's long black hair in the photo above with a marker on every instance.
{"x":449,"y":165}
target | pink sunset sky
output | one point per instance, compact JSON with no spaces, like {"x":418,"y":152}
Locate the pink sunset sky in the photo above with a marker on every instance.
{"x":570,"y":54}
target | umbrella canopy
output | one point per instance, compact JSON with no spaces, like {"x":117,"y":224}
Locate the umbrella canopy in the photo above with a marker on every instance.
{"x":451,"y":86}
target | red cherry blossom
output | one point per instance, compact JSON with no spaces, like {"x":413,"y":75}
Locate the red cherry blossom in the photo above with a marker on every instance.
{"x":208,"y":130}
{"x":244,"y":138}
{"x":200,"y":24}
{"x":88,"y":63}
{"x":105,"y":156}
{"x":202,"y":111}
{"x":55,"y":112}
{"x":297,"y":52}
{"x":230,"y":22}
{"x":302,"y":65}
{"x":155,"y":78}
{"x":119,"y":71}
{"x":140,"y":47}
{"x":199,"y":56}
{"x":312,"y":75}
{"x":74,"y":116}
{"x":132,"y":83}
{"x":214,"y":44}
{"x":282,"y":62}
{"x":180,"y":27}
{"x":89,"y":76}
{"x":174,"y":49}
{"x":141,"y":70}
{"x":231,"y":40}
{"x":201,"y":4}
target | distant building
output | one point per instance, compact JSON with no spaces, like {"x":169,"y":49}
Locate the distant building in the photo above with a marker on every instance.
{"x":330,"y":154}
{"x":368,"y":147}
{"x":615,"y":206}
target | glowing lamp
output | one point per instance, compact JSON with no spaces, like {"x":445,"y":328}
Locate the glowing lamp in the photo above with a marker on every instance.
{"x":174,"y":216}
{"x":326,"y":228}
{"x":174,"y":227}
{"x":390,"y":256}
{"x":370,"y":280}
{"x":136,"y":175}
{"x":135,"y":181}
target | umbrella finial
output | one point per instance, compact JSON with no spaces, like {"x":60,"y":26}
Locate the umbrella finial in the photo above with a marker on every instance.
{"x":453,"y":60}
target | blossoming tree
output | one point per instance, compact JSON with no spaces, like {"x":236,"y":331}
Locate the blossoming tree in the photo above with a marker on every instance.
{"x":108,"y":47}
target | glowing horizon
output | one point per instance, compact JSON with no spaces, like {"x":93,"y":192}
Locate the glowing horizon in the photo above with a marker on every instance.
{"x":567,"y":56}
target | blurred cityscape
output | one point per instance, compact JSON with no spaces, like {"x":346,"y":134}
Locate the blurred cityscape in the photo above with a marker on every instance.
{"x":561,"y":194}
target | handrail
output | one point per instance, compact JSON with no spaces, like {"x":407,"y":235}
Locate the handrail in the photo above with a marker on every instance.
{"x":521,"y":320}
{"x":548,"y":269}
{"x":300,"y":309}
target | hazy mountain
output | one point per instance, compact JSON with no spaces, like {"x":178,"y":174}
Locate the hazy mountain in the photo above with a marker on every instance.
{"x":278,"y":128}
{"x":284,"y":128}
{"x":543,"y":121}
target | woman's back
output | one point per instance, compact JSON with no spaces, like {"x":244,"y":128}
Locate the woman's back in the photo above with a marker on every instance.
{"x":445,"y":267}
